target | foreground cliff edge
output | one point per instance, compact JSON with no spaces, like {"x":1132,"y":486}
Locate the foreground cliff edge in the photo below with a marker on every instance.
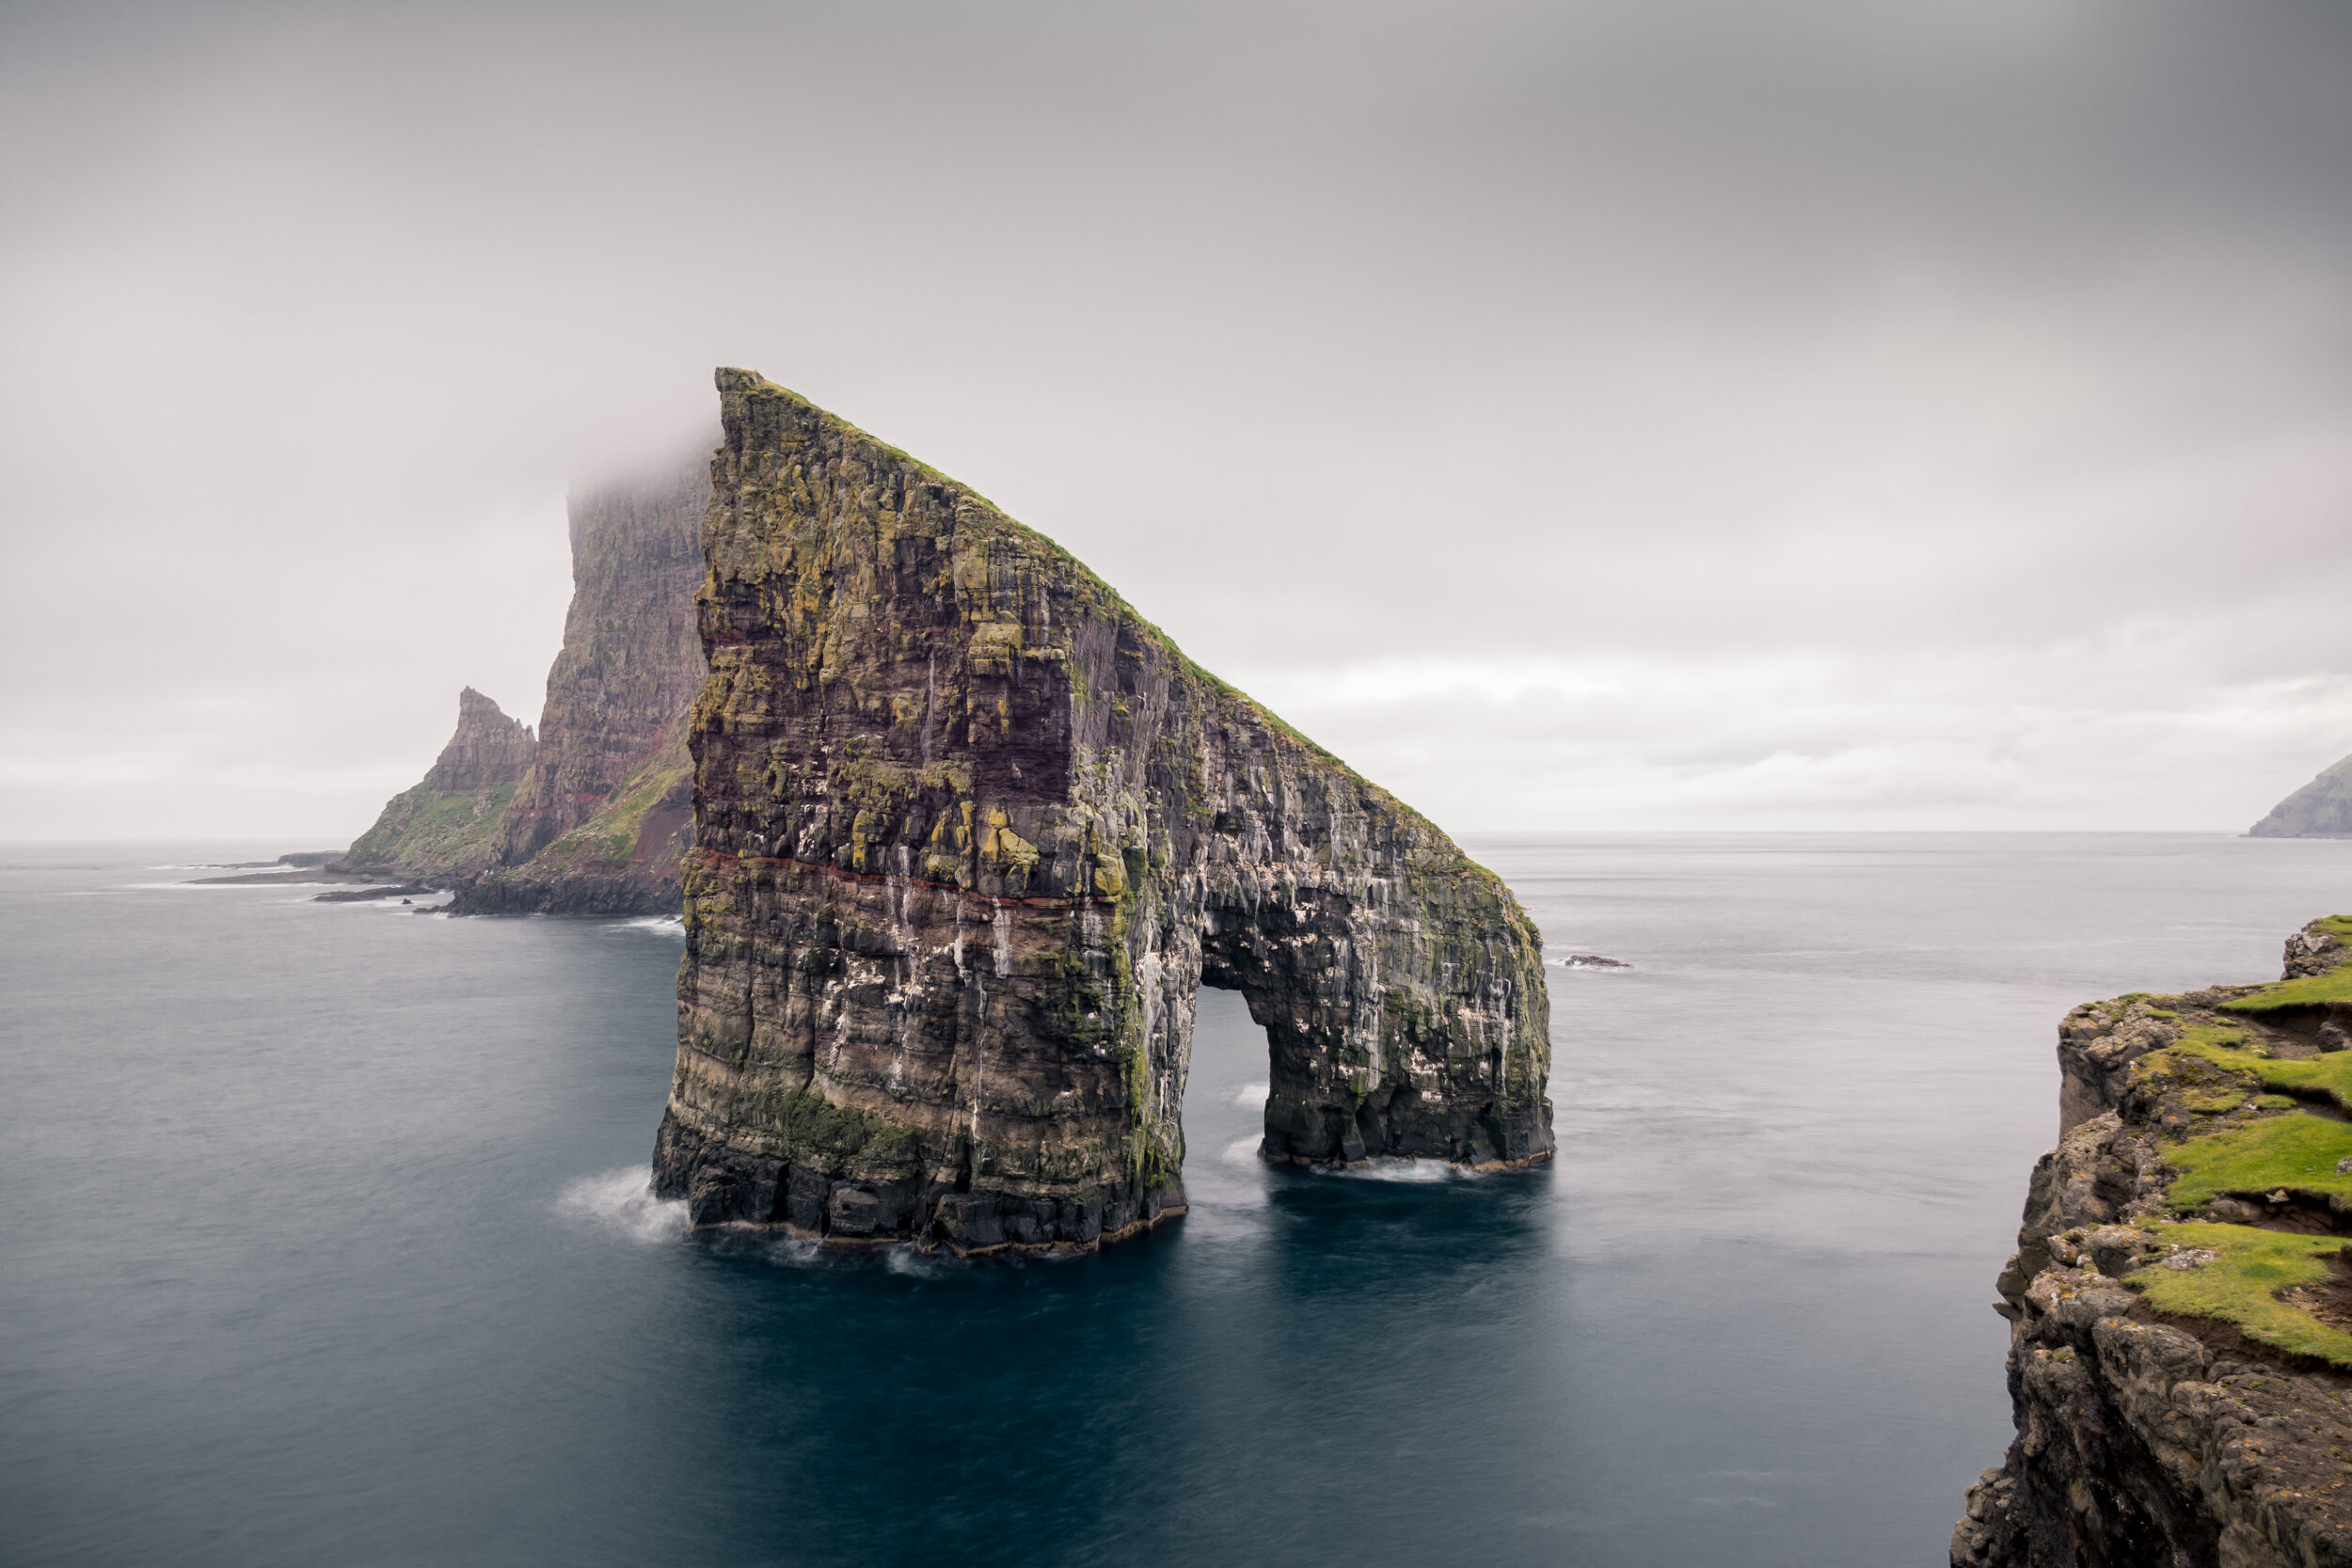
{"x":970,"y":835}
{"x":2181,"y":1300}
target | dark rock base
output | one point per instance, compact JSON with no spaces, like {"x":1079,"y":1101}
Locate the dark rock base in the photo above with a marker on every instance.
{"x":724,"y":1186}
{"x":579,"y":896}
{"x":1488,"y":1137}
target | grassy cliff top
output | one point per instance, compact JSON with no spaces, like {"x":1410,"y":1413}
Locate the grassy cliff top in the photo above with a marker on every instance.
{"x":2250,"y":1119}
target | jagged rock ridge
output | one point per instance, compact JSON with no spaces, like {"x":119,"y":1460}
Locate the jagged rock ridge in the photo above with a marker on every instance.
{"x":447,"y":824}
{"x":2181,"y":1301}
{"x":970,"y":835}
{"x":595,"y":817}
{"x":2321,"y":809}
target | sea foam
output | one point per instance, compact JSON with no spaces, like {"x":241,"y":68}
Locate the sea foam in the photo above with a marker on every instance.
{"x":622,"y":1202}
{"x":659,"y":925}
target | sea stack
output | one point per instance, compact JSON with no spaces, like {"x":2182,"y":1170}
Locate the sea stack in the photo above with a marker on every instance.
{"x":2321,"y":809}
{"x":2180,"y":1358}
{"x":970,"y":833}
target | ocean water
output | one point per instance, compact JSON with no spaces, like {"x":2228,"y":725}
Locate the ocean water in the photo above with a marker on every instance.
{"x":323,"y":1240}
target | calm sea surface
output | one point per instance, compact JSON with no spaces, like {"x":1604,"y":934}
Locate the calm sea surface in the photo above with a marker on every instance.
{"x":322,"y":1241}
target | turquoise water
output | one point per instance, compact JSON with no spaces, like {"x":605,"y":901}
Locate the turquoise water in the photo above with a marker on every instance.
{"x":322,"y":1239}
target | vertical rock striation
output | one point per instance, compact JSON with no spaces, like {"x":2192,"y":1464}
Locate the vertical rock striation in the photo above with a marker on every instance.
{"x":971,"y":833}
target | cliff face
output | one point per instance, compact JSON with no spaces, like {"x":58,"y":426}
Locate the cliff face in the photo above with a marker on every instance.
{"x":592,"y":818}
{"x":599,"y":825}
{"x":2321,"y":809}
{"x":2181,"y":1300}
{"x":446,"y":825}
{"x":971,"y":833}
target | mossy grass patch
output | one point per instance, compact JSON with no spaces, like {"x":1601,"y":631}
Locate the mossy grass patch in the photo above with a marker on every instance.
{"x":2299,"y":1150}
{"x":422,"y":826}
{"x":2241,"y":1283}
{"x":2311,"y":991}
{"x":2234,"y":1050}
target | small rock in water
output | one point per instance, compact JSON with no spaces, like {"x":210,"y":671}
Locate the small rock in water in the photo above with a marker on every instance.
{"x":1592,"y":960}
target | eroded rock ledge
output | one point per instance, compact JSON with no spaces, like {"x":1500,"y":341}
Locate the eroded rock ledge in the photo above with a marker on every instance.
{"x":970,"y":835}
{"x":2180,"y":1349}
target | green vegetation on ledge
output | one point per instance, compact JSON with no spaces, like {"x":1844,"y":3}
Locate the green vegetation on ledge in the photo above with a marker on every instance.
{"x":2297,"y":1151}
{"x":424,"y":830}
{"x":2241,"y":1284}
{"x":2234,"y":1050}
{"x":613,"y":836}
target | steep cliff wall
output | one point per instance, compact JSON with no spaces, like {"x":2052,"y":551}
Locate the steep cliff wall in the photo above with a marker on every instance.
{"x":599,"y":825}
{"x":970,"y":835}
{"x":594,"y":817}
{"x":2321,"y":809}
{"x":446,"y":826}
{"x":2181,"y":1300}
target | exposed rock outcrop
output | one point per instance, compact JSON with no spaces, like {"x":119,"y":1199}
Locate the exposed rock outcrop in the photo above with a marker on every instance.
{"x":599,"y":825}
{"x":446,"y":826}
{"x":2178,"y":1360}
{"x":592,"y":817}
{"x":971,"y":833}
{"x":2321,"y":809}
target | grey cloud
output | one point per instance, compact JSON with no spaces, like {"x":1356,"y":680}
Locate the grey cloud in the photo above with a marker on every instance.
{"x":2004,"y":341}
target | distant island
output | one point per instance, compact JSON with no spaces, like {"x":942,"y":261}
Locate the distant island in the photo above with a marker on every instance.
{"x":2321,"y":809}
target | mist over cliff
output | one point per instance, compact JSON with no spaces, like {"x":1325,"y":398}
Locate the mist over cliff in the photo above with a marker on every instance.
{"x":592,"y":815}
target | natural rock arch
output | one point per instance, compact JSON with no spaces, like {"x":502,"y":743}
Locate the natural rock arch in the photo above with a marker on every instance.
{"x":970,"y":832}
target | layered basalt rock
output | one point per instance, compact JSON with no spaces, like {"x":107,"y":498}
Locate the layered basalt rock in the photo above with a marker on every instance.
{"x":600,"y":824}
{"x":446,"y":826}
{"x":2181,"y":1351}
{"x":971,"y":833}
{"x":592,"y":817}
{"x":2321,"y":809}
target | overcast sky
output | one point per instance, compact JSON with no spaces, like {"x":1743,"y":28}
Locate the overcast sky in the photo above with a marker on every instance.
{"x":1610,"y":415}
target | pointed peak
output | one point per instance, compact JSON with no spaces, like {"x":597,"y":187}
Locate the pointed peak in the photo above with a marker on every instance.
{"x":487,"y":748}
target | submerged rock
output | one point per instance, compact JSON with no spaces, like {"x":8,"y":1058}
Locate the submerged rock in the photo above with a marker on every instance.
{"x":363,"y":894}
{"x":970,"y":832}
